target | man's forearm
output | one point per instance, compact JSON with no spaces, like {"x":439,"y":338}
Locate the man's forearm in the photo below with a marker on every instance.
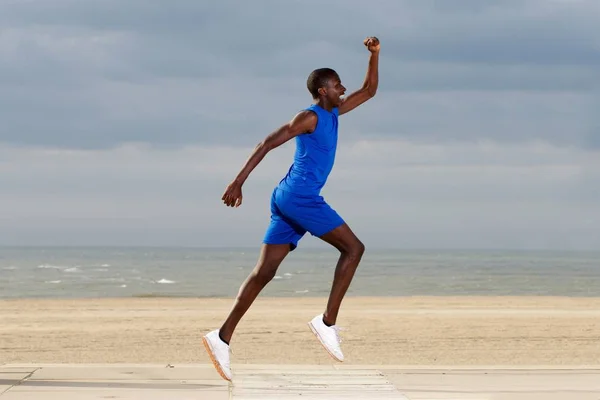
{"x":255,"y":158}
{"x":372,"y":78}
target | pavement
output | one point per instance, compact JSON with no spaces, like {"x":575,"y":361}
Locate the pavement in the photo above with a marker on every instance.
{"x":307,"y":382}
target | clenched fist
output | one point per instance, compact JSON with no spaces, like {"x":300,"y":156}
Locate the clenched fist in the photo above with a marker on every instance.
{"x":372,"y":44}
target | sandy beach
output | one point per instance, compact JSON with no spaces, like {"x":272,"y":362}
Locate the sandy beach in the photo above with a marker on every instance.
{"x":378,"y":330}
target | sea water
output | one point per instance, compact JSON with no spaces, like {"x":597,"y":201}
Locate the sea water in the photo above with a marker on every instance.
{"x":51,"y":272}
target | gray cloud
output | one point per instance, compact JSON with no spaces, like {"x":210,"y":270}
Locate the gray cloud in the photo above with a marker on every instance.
{"x":100,"y":73}
{"x":392,"y":193}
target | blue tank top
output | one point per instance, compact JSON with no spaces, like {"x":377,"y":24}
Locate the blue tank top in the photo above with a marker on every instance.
{"x":314,"y":156}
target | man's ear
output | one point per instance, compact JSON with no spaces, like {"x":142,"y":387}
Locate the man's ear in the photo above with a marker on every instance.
{"x":321,"y":91}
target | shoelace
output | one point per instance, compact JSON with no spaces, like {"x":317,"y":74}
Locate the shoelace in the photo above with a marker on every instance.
{"x":228,"y":364}
{"x":337,"y":330}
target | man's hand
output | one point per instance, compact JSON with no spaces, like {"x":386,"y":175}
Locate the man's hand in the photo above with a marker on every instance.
{"x":233,"y":194}
{"x":372,"y":44}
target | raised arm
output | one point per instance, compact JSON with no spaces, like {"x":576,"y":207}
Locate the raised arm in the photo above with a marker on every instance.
{"x":303,"y":122}
{"x":369,"y":87}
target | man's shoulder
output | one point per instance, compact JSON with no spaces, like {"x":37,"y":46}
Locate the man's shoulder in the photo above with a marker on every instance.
{"x":321,"y":111}
{"x":307,"y":119}
{"x":308,"y":113}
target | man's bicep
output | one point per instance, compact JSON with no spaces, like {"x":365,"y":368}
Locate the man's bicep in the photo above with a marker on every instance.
{"x":303,"y":122}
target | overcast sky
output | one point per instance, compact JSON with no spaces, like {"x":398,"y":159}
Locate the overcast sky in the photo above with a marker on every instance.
{"x":121,"y":122}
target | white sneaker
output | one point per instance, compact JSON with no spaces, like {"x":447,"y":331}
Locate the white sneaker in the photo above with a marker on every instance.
{"x":218,"y":351}
{"x":328,"y":336}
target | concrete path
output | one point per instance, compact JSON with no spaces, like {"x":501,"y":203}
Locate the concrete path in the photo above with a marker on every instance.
{"x":283,"y":382}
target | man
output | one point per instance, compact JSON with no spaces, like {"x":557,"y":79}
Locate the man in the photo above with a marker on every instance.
{"x":297,"y":207}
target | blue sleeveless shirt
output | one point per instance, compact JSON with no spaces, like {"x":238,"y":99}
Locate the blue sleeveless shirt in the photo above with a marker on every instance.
{"x":315,"y":155}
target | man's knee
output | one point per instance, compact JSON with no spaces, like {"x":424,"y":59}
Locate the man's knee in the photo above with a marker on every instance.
{"x":345,"y":241}
{"x":269,"y":261}
{"x":359,"y":248}
{"x":356,"y":249}
{"x":264,"y":273}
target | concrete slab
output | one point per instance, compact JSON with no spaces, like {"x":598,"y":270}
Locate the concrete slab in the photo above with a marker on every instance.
{"x":9,"y":379}
{"x":36,"y":385}
{"x":126,"y":373}
{"x":118,"y":395}
{"x":306,"y":383}
{"x":469,"y":368}
{"x":497,"y":384}
{"x":18,"y":376}
{"x":282,"y":382}
{"x":120,"y":382}
{"x":9,"y":369}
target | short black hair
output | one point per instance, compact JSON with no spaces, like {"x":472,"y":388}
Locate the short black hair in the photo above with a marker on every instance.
{"x":318,"y":78}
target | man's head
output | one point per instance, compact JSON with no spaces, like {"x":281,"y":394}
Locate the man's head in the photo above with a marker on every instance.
{"x":325,"y":83}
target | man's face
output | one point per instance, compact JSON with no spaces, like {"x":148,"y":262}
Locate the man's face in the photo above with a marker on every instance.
{"x":334,"y":91}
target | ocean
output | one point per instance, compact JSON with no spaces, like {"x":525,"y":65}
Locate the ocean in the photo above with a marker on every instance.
{"x":84,"y":272}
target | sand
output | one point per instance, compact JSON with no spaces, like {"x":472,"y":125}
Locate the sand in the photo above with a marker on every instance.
{"x":386,"y":330}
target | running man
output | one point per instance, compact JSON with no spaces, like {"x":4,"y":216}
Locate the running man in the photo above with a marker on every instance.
{"x":297,"y":206}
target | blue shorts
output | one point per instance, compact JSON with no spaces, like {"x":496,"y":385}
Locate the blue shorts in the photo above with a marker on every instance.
{"x":293,"y":215}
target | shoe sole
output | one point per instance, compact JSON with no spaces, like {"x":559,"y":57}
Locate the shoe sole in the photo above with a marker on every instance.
{"x":312,"y":328}
{"x":214,"y":360}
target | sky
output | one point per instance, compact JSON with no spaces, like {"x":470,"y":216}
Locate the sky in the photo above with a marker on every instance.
{"x":121,"y":123}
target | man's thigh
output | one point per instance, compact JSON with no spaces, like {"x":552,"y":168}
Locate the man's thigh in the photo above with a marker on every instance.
{"x":281,"y":229}
{"x":314,"y":215}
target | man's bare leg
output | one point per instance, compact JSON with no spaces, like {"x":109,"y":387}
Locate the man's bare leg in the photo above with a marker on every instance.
{"x":270,"y":258}
{"x":351,"y":252}
{"x":217,"y":341}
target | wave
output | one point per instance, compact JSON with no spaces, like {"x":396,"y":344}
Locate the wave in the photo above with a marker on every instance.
{"x":165,"y":281}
